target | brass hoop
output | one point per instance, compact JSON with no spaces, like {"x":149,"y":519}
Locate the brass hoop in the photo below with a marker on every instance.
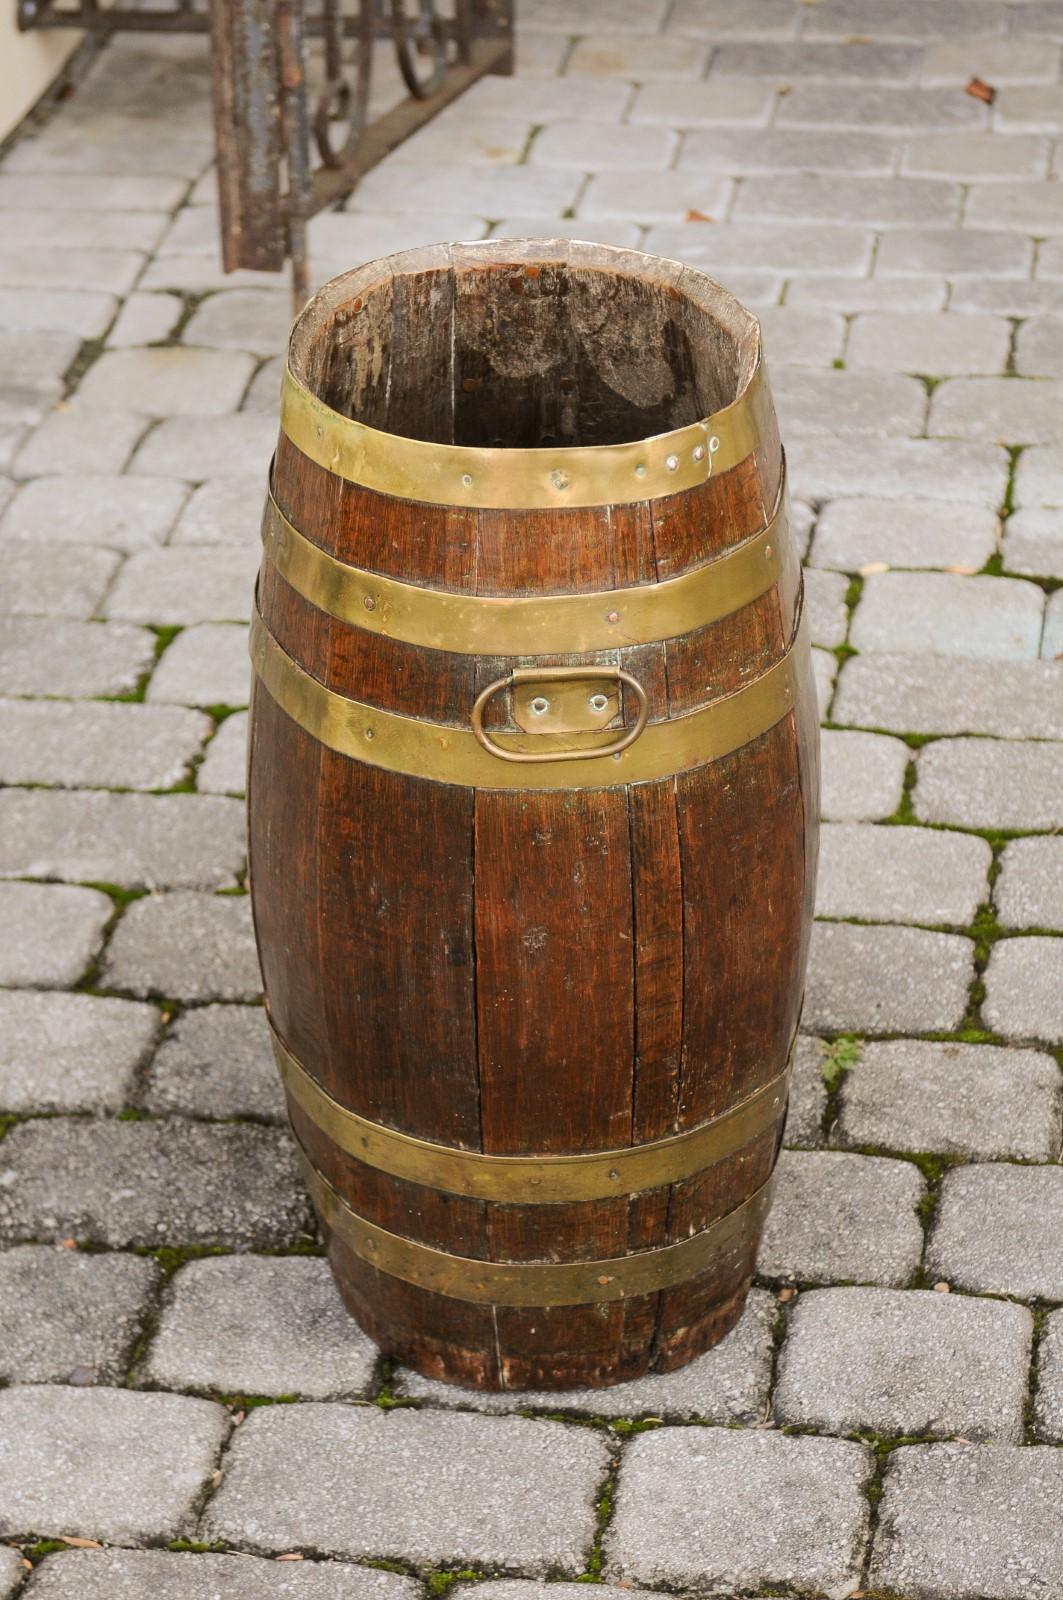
{"x":533,"y":1180}
{"x":537,"y":1283}
{"x":512,"y":480}
{"x":554,"y":624}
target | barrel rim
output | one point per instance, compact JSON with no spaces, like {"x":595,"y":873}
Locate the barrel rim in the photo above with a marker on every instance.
{"x":504,"y":478}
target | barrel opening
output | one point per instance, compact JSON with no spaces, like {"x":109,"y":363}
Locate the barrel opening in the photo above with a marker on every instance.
{"x":525,"y":345}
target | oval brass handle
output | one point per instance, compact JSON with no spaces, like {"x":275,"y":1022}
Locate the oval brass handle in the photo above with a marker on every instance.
{"x":556,"y":675}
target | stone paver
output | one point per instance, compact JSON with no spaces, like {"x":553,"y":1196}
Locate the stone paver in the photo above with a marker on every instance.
{"x":54,"y":933}
{"x":151,"y":841}
{"x":810,"y":401}
{"x":887,"y":979}
{"x":974,"y":1100}
{"x":825,"y":606}
{"x":150,"y":1183}
{"x":104,"y":1463}
{"x":261,"y":1325}
{"x":990,"y":783}
{"x":224,"y":511}
{"x":74,"y":745}
{"x":1033,"y":542}
{"x":51,"y":656}
{"x":997,"y":1232}
{"x":1048,"y":1400}
{"x":41,"y":580}
{"x":783,"y":1511}
{"x":939,"y":694}
{"x":956,"y":252}
{"x":197,"y":448}
{"x":165,"y":1575}
{"x":81,"y":439}
{"x":174,"y":587}
{"x":71,"y":1052}
{"x":490,"y":1490}
{"x":840,"y":1217}
{"x":216,"y":1061}
{"x":168,"y":382}
{"x":939,"y":346}
{"x":808,"y":1095}
{"x":1039,"y":477}
{"x":852,"y":534}
{"x":124,"y":513}
{"x":241,"y":319}
{"x":1009,"y":410}
{"x":728,"y":1384}
{"x":957,"y":1521}
{"x":886,"y":1361}
{"x":188,"y":946}
{"x":145,"y":319}
{"x":67,"y":1316}
{"x":224,"y":768}
{"x":898,"y":469}
{"x":206,"y":665}
{"x":12,"y":1570}
{"x":907,"y":613}
{"x":1024,"y":989}
{"x":862,"y":775}
{"x":900,"y":874}
{"x":1029,"y":890}
{"x":1052,"y":640}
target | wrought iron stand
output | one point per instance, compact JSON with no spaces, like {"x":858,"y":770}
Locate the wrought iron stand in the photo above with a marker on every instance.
{"x":270,"y":120}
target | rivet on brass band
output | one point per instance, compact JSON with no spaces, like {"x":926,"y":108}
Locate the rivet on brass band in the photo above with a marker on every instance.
{"x":500,"y":479}
{"x":533,"y":1180}
{"x":446,"y":754}
{"x":563,"y":624}
{"x":538,"y":1283}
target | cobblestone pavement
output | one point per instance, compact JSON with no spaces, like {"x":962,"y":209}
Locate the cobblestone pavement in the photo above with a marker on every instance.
{"x":888,"y":1415}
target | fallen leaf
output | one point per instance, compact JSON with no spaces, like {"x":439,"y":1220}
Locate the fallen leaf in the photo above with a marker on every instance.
{"x":27,"y":1563}
{"x":293,"y":1555}
{"x":80,"y":1544}
{"x":215,"y":1476}
{"x":978,"y":90}
{"x":784,"y":88}
{"x":871,"y":568}
{"x":68,"y":1244}
{"x":694,"y":215}
{"x":965,"y":571}
{"x":238,"y":1417}
{"x":942,"y":1288}
{"x":786,"y":1294}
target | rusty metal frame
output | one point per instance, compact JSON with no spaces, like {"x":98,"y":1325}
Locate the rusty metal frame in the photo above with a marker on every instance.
{"x":266,"y":130}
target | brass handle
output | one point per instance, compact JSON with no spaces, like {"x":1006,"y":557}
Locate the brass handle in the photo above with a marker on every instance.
{"x":560,"y":675}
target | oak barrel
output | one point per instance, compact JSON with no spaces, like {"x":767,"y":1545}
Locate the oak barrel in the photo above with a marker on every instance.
{"x":533,"y":797}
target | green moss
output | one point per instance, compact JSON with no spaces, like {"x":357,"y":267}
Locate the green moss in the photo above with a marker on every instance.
{"x":43,"y":1547}
{"x":196,"y":1547}
{"x":839,"y":1057}
{"x":438,"y":1583}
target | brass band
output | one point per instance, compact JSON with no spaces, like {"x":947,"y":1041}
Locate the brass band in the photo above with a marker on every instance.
{"x":558,"y":624}
{"x":533,"y":1180}
{"x":537,"y":1283}
{"x":501,"y":479}
{"x":443,"y":753}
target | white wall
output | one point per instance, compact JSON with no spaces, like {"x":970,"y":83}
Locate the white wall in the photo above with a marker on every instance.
{"x":28,"y":63}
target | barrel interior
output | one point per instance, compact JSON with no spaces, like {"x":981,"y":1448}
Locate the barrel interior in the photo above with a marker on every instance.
{"x":528,"y":348}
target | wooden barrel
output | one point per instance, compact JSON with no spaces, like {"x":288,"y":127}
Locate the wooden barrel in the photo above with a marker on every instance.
{"x":533,"y":803}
